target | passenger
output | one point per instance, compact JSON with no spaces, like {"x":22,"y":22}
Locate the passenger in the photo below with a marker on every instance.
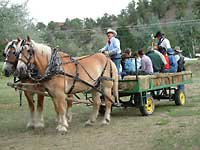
{"x":128,"y":63}
{"x":163,"y":41}
{"x":155,"y":48}
{"x":172,"y":61}
{"x":179,"y":58}
{"x":112,"y":48}
{"x":163,"y":51}
{"x":138,"y":61}
{"x":146,"y":64}
{"x":158,"y":64}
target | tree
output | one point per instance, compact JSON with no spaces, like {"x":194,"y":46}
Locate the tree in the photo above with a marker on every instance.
{"x":40,"y":26}
{"x":143,"y":11}
{"x":159,"y":7}
{"x":89,"y":23}
{"x":132,"y":13}
{"x":105,"y":21}
{"x":52,"y":26}
{"x":196,"y":10}
{"x":15,"y":22}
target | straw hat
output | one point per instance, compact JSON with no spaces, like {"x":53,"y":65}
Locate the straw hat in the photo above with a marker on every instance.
{"x":112,"y":31}
{"x":178,"y":49}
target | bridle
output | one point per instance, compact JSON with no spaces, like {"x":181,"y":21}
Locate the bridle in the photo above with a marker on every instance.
{"x":14,"y":53}
{"x":30,"y":51}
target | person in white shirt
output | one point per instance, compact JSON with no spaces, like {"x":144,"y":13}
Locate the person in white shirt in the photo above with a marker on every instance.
{"x":162,"y":41}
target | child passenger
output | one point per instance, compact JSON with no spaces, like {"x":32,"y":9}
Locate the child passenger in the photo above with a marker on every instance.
{"x":128,"y":63}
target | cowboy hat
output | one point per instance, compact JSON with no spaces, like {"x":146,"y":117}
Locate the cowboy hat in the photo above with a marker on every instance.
{"x":111,"y":31}
{"x":178,"y":49}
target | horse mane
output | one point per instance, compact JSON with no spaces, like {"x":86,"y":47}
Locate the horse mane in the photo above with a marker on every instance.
{"x":41,"y":49}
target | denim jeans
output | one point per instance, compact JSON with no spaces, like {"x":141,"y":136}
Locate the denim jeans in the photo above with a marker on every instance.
{"x":117,"y":62}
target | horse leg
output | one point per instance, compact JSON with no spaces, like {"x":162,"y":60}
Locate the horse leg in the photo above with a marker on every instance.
{"x":69,"y":108}
{"x":40,"y":119}
{"x":60,"y":103}
{"x":108,"y":104}
{"x":29,"y":97}
{"x":96,"y":105}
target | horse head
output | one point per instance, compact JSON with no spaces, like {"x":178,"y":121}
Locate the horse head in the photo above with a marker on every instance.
{"x":32,"y":53}
{"x":10,"y":54}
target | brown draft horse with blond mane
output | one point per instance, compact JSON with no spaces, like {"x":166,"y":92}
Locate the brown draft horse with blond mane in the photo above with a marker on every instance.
{"x":9,"y":66}
{"x":93,"y":68}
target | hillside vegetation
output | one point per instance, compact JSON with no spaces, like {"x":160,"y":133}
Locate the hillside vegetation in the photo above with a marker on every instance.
{"x":178,"y":19}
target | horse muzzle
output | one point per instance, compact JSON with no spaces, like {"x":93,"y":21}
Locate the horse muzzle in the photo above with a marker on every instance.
{"x":7,"y":69}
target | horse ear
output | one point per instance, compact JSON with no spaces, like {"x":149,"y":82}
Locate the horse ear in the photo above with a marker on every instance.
{"x":6,"y":41}
{"x":28,"y":38}
{"x":19,"y":39}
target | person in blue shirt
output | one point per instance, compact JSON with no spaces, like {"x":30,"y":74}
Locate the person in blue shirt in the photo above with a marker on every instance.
{"x":128,"y":62}
{"x":112,"y":48}
{"x":173,"y":66}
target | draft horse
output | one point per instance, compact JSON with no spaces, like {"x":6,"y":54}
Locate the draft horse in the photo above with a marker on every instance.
{"x":10,"y":54}
{"x":95,"y":72}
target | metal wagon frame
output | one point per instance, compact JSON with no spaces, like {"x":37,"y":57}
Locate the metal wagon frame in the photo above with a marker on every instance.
{"x":143,"y":89}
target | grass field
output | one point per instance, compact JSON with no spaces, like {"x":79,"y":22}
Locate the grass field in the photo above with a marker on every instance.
{"x":169,"y":128}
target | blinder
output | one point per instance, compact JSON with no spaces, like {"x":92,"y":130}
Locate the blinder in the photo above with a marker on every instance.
{"x":10,"y":53}
{"x":30,"y":52}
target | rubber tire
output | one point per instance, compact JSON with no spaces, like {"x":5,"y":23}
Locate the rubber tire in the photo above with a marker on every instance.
{"x":179,"y":94}
{"x":144,"y":110}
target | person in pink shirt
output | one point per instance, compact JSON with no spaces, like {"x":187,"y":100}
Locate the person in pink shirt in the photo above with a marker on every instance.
{"x":146,"y":63}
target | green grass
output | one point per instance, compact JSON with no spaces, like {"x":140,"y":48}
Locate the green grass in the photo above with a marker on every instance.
{"x":170,"y":127}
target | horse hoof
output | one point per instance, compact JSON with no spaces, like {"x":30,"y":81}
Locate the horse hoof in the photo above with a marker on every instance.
{"x":39,"y":125}
{"x":89,"y":123}
{"x":61,"y":129}
{"x":105,"y":122}
{"x":69,"y":119}
{"x":30,"y":125}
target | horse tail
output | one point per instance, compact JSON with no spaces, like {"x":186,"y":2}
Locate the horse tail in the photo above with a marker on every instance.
{"x":114,"y":76}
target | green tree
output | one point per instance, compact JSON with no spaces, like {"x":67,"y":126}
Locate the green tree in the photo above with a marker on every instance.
{"x":89,"y":23}
{"x":132,"y":13}
{"x":196,"y":10}
{"x":40,"y":26}
{"x":160,"y":7}
{"x":105,"y":21}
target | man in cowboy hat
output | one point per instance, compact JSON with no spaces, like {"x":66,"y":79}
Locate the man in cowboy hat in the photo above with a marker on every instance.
{"x":112,"y":48}
{"x":179,"y":58}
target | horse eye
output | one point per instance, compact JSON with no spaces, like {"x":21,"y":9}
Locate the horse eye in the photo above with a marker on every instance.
{"x":14,"y":53}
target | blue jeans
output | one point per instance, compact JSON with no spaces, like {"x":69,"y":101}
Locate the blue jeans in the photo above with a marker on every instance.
{"x":117,"y":62}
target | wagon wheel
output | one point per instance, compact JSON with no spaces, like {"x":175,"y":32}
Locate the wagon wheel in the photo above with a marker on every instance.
{"x":149,"y":107}
{"x":180,"y":97}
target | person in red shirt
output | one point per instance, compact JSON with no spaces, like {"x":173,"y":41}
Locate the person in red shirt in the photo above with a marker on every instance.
{"x":164,"y":52}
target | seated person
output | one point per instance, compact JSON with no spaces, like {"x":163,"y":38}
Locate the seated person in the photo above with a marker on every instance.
{"x":128,"y":66}
{"x":173,"y":66}
{"x":179,"y":58}
{"x":128,"y":62}
{"x":158,"y":64}
{"x":163,"y":51}
{"x":146,"y":64}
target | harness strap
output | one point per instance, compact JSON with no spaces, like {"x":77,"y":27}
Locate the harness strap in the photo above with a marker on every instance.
{"x":86,"y":83}
{"x":76,"y":77}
